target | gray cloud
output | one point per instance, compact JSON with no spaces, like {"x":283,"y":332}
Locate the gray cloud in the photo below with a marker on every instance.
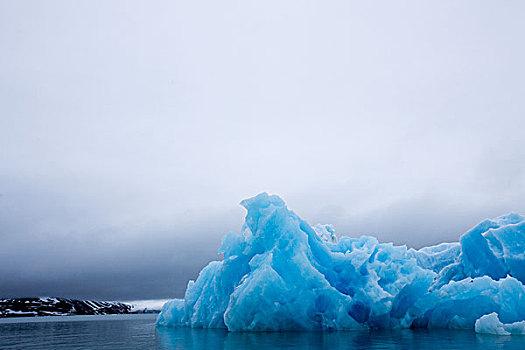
{"x":129,"y":131}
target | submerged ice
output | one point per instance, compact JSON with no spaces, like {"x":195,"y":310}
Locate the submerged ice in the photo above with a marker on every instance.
{"x":283,"y":274}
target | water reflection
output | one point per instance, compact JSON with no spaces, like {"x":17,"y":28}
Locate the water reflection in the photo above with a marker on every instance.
{"x":182,"y":338}
{"x":139,"y":332}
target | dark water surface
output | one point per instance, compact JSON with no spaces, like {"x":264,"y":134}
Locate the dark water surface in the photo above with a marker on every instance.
{"x":139,"y":332}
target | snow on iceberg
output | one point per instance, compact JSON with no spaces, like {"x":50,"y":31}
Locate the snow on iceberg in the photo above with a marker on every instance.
{"x":491,"y":324}
{"x":283,"y":274}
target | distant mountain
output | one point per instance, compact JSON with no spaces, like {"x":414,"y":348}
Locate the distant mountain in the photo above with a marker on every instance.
{"x":28,"y":307}
{"x":147,"y":306}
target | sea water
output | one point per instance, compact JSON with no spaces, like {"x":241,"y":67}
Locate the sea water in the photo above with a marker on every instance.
{"x":139,"y":332}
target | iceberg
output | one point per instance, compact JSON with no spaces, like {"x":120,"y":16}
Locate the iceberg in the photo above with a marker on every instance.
{"x":281,"y":274}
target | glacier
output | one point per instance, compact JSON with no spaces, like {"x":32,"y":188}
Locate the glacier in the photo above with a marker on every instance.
{"x":282,"y":274}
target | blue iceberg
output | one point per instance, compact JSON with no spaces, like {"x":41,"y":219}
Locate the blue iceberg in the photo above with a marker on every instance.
{"x":283,"y":274}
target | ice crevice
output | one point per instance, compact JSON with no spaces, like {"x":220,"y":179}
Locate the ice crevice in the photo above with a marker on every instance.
{"x":281,"y":273}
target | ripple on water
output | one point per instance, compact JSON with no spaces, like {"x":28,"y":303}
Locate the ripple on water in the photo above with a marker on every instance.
{"x":138,"y":332}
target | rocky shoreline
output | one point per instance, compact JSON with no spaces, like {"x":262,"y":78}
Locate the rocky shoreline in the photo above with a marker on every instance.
{"x":30,"y":307}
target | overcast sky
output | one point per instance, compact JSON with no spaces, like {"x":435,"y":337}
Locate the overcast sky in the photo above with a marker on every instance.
{"x":130,"y":130}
